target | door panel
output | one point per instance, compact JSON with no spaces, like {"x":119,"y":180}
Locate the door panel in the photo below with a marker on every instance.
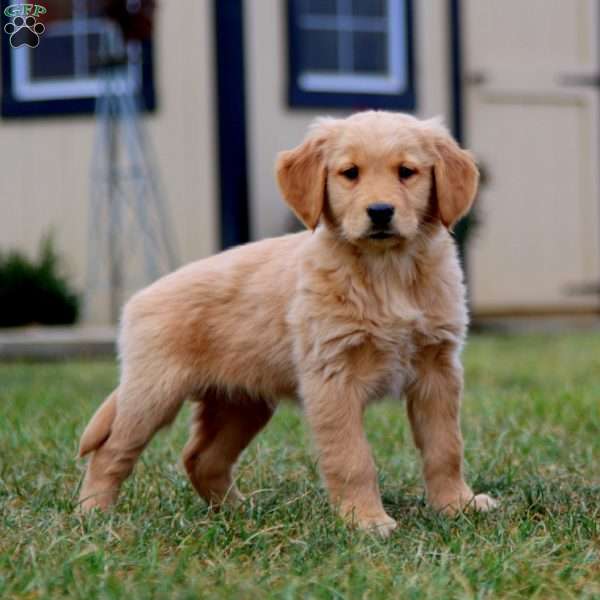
{"x":537,"y":136}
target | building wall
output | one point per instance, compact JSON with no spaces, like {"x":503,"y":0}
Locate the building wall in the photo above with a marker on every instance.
{"x":274,"y":126}
{"x":46,"y":162}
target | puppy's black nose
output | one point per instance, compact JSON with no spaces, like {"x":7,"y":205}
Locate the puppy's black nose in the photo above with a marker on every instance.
{"x":380,"y":213}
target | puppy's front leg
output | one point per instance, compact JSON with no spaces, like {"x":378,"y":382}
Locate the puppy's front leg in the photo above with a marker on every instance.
{"x":334,"y":409}
{"x":433,"y":403}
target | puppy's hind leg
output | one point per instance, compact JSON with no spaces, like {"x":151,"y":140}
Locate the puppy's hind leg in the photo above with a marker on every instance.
{"x":221,"y":429}
{"x":118,"y":433}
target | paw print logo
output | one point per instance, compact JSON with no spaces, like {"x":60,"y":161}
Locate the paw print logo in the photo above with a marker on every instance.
{"x":24,"y":31}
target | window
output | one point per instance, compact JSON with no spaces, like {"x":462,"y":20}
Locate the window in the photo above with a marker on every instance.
{"x":62,"y":74}
{"x":351,"y":53}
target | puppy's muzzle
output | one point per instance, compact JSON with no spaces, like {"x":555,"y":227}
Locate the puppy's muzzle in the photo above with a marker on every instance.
{"x":380,"y":214}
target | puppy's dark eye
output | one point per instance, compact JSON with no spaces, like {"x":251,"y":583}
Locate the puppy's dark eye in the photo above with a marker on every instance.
{"x":351,"y":173}
{"x":405,"y":172}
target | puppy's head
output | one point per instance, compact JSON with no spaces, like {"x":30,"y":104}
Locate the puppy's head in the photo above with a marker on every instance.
{"x":376,"y":177}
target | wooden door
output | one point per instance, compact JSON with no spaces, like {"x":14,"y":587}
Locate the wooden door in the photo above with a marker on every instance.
{"x":531,"y":79}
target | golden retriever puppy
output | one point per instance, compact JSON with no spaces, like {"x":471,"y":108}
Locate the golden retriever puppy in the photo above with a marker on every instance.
{"x":368,"y":302}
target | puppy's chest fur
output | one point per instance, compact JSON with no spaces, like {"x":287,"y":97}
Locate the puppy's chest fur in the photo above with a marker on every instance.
{"x":376,"y":318}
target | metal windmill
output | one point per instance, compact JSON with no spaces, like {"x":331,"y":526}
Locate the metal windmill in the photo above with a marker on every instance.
{"x":130,"y":233}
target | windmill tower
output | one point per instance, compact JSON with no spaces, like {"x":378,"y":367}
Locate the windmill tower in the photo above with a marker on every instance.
{"x":131,"y":241}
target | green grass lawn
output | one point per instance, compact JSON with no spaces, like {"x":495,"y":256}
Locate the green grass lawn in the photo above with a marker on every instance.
{"x":531,"y":421}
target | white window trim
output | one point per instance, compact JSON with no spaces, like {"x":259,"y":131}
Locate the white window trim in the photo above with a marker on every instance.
{"x":394,"y":83}
{"x":26,"y":89}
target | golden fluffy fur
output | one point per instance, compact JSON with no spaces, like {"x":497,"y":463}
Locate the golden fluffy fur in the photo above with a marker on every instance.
{"x":336,"y":316}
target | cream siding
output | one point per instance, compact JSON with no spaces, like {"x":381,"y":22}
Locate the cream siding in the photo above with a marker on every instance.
{"x":45,"y":167}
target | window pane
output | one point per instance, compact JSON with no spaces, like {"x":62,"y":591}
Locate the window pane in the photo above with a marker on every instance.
{"x":59,"y":11}
{"x":319,"y":50}
{"x":370,"y":52}
{"x":369,"y":8}
{"x":94,"y":8}
{"x":94,"y":43}
{"x":346,"y":60}
{"x":319,"y":7}
{"x":56,"y":60}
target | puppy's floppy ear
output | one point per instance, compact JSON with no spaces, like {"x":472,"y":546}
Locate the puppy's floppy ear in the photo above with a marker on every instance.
{"x":302,"y":178}
{"x":455,"y":177}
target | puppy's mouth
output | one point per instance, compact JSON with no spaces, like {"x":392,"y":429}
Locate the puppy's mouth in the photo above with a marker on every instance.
{"x":381,"y":235}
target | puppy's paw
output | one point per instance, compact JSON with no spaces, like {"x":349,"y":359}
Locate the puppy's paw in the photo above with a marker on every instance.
{"x":465,"y":502}
{"x":380,"y":525}
{"x":102,"y":502}
{"x":220,"y":493}
{"x":233,"y":499}
{"x":482,"y":503}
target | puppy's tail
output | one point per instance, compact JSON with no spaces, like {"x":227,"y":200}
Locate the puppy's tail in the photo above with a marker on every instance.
{"x":98,"y":429}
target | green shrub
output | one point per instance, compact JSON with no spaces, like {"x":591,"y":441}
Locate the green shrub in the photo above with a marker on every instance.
{"x":35,"y":292}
